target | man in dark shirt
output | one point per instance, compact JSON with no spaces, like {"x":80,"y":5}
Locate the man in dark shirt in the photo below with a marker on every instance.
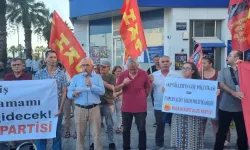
{"x":107,"y":100}
{"x":154,"y":68}
{"x":17,"y":74}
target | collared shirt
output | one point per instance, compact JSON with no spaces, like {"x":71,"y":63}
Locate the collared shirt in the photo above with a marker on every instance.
{"x":60,"y":80}
{"x":134,"y":94}
{"x":158,"y":84}
{"x":12,"y":77}
{"x":228,"y":102}
{"x":35,"y":65}
{"x":88,"y":96}
{"x":28,"y":63}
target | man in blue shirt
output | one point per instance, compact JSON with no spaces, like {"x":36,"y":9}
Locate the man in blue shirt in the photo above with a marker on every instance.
{"x":86,"y":89}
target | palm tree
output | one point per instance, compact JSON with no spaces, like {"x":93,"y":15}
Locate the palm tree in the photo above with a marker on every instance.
{"x":13,"y":50}
{"x":3,"y":33}
{"x":20,"y":49}
{"x":40,"y":49}
{"x":27,"y":13}
{"x":43,"y":28}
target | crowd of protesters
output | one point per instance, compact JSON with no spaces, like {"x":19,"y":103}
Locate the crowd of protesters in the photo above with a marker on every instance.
{"x":124,"y":92}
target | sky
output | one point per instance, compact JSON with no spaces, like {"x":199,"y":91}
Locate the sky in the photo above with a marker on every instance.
{"x":62,"y":8}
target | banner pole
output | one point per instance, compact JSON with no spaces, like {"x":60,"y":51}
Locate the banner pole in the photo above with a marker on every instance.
{"x":202,"y":70}
{"x":149,"y":62}
{"x":124,"y":53}
{"x":243,"y":56}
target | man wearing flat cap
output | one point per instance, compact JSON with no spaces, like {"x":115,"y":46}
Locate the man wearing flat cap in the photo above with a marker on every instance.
{"x":107,"y":100}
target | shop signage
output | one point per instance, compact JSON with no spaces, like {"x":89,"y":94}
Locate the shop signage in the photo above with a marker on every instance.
{"x":153,"y":51}
{"x":181,"y":26}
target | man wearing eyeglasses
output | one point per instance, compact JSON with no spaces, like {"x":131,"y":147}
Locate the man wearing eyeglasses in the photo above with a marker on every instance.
{"x":17,"y":74}
{"x":86,"y":89}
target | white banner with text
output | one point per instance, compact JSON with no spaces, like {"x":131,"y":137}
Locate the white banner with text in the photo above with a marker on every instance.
{"x":190,"y":97}
{"x":27,"y":109}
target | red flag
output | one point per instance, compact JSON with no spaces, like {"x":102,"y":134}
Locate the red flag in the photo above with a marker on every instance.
{"x":196,"y":57}
{"x":63,"y":41}
{"x":238,"y":12}
{"x":131,"y":29}
{"x":247,"y":29}
{"x":244,"y":71}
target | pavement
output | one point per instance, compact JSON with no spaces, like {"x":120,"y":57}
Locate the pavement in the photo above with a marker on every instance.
{"x":69,"y":144}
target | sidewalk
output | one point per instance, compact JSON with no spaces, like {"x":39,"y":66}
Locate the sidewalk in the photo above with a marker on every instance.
{"x":69,"y":144}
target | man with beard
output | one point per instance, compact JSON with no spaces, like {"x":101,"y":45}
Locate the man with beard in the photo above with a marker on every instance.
{"x":230,"y":107}
{"x":136,"y":86}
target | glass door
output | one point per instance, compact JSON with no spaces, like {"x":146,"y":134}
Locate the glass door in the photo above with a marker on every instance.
{"x":118,"y":52}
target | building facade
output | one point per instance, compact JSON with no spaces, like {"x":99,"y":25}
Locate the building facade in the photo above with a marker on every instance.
{"x":171,"y":28}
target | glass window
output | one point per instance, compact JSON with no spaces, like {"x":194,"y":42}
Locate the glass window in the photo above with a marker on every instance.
{"x":209,"y":28}
{"x":100,"y":47}
{"x":154,"y":37}
{"x":204,"y":28}
{"x":198,"y":28}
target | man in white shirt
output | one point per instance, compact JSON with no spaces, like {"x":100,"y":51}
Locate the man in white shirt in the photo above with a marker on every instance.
{"x":158,"y":80}
{"x":35,"y":65}
{"x":28,"y":64}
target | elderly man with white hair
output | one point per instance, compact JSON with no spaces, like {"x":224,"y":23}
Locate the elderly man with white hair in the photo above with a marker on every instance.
{"x":86,"y":89}
{"x":136,"y":86}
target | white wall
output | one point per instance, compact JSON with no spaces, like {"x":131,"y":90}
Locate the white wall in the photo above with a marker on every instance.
{"x":174,"y":42}
{"x":81,"y":31}
{"x":225,"y":36}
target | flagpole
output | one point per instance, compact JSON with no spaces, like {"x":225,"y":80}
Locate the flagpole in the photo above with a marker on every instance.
{"x":243,"y":56}
{"x":149,"y":62}
{"x":124,"y":53}
{"x":202,"y":70}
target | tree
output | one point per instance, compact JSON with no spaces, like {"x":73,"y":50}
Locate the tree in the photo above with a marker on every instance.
{"x":13,"y":50}
{"x":44,"y":27}
{"x":40,"y":49}
{"x":27,"y":13}
{"x":20,"y":49}
{"x":3,"y":32}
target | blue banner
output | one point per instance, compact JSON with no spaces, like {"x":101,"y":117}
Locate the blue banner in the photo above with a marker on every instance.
{"x":153,"y":51}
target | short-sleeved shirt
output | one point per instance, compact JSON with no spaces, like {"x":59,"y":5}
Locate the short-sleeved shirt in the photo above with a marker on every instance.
{"x":28,"y":63}
{"x":60,"y":77}
{"x":228,"y":102}
{"x":35,"y":65}
{"x":158,"y":84}
{"x":154,"y":69}
{"x":12,"y":77}
{"x":108,"y":97}
{"x":134,"y":95}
